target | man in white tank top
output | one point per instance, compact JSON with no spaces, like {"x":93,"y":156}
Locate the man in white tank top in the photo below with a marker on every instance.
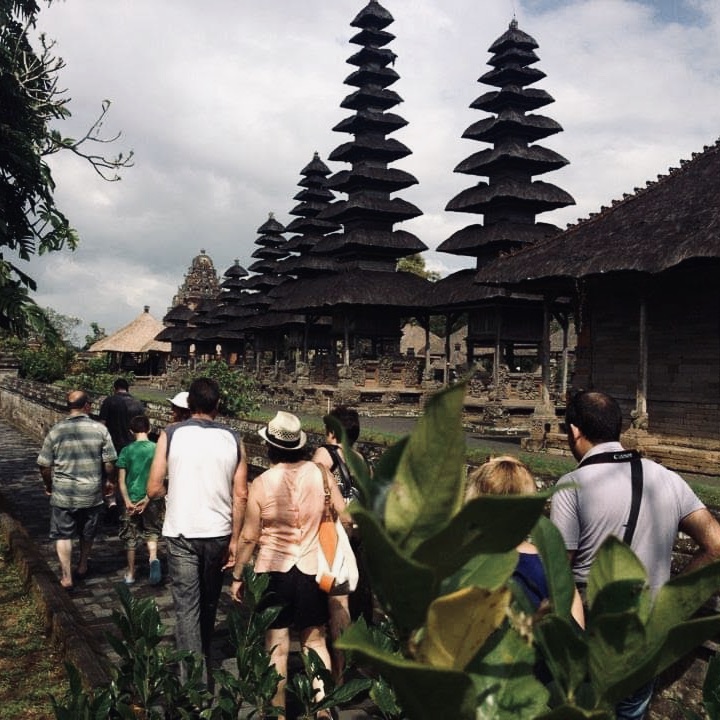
{"x":206,"y":495}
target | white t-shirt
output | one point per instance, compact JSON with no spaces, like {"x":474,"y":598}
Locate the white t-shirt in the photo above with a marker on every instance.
{"x":202,"y":459}
{"x":600,"y":505}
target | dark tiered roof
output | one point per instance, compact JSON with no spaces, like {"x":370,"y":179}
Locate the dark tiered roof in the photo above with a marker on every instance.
{"x":510,"y":199}
{"x":673,"y":220}
{"x":362,"y":257}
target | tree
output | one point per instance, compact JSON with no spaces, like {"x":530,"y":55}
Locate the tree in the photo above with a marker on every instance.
{"x":416,"y":264}
{"x":97,"y":333}
{"x":30,"y":100}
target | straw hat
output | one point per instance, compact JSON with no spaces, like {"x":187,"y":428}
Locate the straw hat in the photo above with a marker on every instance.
{"x":284,"y":432}
{"x":180,"y":400}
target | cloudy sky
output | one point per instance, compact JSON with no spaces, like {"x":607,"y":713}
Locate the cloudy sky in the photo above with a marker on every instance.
{"x":225,"y":101}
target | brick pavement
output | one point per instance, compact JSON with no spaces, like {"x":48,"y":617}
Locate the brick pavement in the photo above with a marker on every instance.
{"x":23,"y":497}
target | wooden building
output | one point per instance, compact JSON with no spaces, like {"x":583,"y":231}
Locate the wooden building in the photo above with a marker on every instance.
{"x":644,"y":275}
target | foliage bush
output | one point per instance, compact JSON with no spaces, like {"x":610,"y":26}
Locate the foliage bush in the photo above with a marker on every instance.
{"x":93,"y":377}
{"x":46,"y":364}
{"x":238,"y":391}
{"x":468,"y":639}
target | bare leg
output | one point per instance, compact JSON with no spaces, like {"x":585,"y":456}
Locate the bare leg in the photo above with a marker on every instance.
{"x":277,"y":643}
{"x":85,"y":548}
{"x":315,"y":638}
{"x":64,"y":552}
{"x":131,"y":563}
{"x":152,"y":550}
{"x":339,"y":607}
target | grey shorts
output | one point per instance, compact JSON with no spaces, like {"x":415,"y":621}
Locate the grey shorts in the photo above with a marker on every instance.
{"x":68,"y":523}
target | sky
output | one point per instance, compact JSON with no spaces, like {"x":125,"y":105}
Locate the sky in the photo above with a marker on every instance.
{"x":224,"y":102}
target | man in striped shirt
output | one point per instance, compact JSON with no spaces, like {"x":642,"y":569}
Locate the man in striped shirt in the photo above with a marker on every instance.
{"x":75,"y":456}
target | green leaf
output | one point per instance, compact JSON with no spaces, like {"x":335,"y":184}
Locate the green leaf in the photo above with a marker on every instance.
{"x":504,"y":680}
{"x":481,"y":526}
{"x":616,"y":561}
{"x":483,"y":570}
{"x":459,"y":624}
{"x":711,"y":688}
{"x":404,"y":587}
{"x":425,"y":693}
{"x":429,"y":482}
{"x":682,"y":595}
{"x":561,"y":584}
{"x":617,"y":646}
{"x":564,"y":650}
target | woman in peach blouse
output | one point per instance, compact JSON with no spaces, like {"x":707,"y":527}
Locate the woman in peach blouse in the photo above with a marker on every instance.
{"x":285,"y":506}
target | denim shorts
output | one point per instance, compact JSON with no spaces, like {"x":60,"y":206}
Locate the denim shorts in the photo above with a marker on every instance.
{"x":68,"y":523}
{"x":303,"y":603}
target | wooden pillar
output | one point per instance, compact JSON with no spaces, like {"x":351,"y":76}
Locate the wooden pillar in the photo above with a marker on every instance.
{"x":446,"y":370}
{"x":497,"y":357}
{"x":545,"y":354}
{"x":640,"y":416}
{"x":306,"y":336}
{"x":346,"y":348}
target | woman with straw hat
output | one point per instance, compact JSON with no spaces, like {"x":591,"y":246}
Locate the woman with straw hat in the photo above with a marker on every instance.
{"x":285,"y":507}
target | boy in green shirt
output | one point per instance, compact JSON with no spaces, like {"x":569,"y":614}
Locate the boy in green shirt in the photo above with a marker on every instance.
{"x":142,"y":517}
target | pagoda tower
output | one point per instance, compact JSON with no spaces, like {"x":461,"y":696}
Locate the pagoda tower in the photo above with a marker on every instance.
{"x":197,"y":293}
{"x":367,"y":250}
{"x":509,"y":200}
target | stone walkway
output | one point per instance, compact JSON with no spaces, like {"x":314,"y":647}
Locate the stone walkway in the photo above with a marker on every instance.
{"x":95,"y":598}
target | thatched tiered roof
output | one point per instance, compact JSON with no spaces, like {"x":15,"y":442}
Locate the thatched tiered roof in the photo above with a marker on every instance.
{"x":510,"y":199}
{"x":673,"y":220}
{"x":136,"y":337}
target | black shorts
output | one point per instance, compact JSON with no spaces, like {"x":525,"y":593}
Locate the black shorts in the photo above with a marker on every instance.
{"x":68,"y":523}
{"x":303,"y":603}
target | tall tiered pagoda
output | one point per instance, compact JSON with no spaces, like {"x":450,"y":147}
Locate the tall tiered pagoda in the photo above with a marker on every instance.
{"x":366,"y":296}
{"x":509,"y":200}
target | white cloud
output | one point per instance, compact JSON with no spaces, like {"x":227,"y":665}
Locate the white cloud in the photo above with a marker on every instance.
{"x":224,"y":102}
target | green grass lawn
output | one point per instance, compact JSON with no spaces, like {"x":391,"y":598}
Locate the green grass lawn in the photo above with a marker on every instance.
{"x":31,"y":669}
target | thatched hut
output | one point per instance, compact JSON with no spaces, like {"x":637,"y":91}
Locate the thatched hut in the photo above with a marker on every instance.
{"x":645,"y":278}
{"x":134,"y":347}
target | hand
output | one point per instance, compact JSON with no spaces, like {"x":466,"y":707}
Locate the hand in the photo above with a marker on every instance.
{"x":140,"y":505}
{"x":230,"y":560}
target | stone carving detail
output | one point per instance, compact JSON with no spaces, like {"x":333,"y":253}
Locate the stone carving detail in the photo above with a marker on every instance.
{"x":358,"y":372}
{"x":527,"y":389}
{"x":385,"y":374}
{"x":411,"y":373}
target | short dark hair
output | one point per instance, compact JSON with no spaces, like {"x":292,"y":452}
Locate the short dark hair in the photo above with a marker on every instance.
{"x":140,"y":424}
{"x":348,"y":418}
{"x":121,"y":384}
{"x":595,"y":414}
{"x":281,"y":455}
{"x":203,"y":395}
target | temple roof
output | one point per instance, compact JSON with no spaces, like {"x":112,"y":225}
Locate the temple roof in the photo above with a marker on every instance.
{"x":673,"y":220}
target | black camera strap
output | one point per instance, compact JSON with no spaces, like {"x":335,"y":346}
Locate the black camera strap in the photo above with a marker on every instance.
{"x":636,"y":478}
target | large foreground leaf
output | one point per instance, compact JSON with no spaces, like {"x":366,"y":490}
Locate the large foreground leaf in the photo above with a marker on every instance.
{"x":428,"y":487}
{"x":424,"y":692}
{"x":404,"y":587}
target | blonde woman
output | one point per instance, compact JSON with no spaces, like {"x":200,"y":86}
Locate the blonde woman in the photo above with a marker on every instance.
{"x":506,"y":475}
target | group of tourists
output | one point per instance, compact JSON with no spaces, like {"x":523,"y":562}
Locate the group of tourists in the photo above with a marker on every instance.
{"x":191,"y":487}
